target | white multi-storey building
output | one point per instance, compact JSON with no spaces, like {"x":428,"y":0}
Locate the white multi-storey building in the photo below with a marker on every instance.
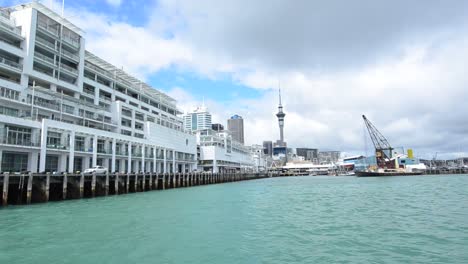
{"x":218,"y":152}
{"x":199,"y":119}
{"x":63,"y":108}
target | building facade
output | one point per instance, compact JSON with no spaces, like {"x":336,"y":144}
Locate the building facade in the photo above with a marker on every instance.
{"x":219,"y":153}
{"x":268,"y":148}
{"x":327,"y":157}
{"x":199,"y":119}
{"x":308,"y":154}
{"x":217,"y":127}
{"x":236,"y":128}
{"x":63,"y":109}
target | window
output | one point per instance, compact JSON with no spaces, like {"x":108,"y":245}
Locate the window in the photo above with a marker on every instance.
{"x":18,"y":135}
{"x":53,"y":138}
{"x":14,"y":162}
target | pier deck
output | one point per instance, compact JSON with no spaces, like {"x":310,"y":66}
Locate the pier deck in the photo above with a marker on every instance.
{"x":44,"y":187}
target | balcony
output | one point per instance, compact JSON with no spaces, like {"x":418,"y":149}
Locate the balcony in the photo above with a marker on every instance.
{"x":70,"y":55}
{"x":9,"y":27}
{"x":47,"y":105}
{"x":71,"y":42}
{"x":11,"y":64}
{"x":50,"y":61}
{"x":53,"y":30}
{"x":69,"y":69}
{"x":98,"y":70}
{"x":57,"y":146}
{"x":5,"y":140}
{"x":46,"y":43}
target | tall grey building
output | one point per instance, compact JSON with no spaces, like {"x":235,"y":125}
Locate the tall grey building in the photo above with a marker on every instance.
{"x":308,"y":153}
{"x":236,"y":127}
{"x":268,"y":148}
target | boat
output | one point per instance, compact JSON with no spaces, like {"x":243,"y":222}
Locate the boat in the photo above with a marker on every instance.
{"x":386,"y":173}
{"x":387,"y":161}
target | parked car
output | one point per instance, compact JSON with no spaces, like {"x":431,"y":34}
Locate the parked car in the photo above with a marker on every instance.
{"x":96,"y":169}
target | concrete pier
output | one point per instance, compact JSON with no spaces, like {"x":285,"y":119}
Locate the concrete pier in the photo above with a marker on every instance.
{"x":35,"y":187}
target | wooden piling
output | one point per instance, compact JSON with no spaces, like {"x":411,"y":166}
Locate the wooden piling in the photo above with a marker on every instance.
{"x":6,"y":182}
{"x":47,"y":186}
{"x":81,"y":185}
{"x":156,"y":181}
{"x":127,"y":185}
{"x":136,"y":182}
{"x":107,"y":184}
{"x":143,"y":183}
{"x":64,"y":186}
{"x":93,"y":185}
{"x":29,"y":188}
{"x":116,"y":183}
{"x":150,"y":185}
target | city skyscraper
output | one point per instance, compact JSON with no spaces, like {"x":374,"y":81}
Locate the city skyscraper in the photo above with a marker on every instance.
{"x":236,"y":127}
{"x":281,"y":116}
{"x":199,"y":119}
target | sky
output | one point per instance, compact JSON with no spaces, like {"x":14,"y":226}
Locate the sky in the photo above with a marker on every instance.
{"x":401,"y":63}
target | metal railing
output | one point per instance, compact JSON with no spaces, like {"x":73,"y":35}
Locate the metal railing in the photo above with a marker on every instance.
{"x":70,"y":55}
{"x":75,"y":43}
{"x":46,"y":43}
{"x":19,"y":141}
{"x":53,"y":30}
{"x":68,"y":68}
{"x":44,"y":58}
{"x":4,"y":24}
{"x":10,"y":63}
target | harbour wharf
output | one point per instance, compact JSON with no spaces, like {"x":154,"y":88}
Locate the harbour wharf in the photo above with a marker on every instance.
{"x":30,"y":188}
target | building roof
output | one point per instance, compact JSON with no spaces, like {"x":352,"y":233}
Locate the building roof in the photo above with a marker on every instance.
{"x":115,"y":73}
{"x":50,"y":13}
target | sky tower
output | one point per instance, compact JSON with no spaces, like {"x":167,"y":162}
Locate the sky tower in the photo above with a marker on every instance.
{"x":281,"y":116}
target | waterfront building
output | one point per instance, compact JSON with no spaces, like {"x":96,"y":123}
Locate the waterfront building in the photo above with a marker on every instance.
{"x":64,"y":109}
{"x":217,"y":127}
{"x":260,"y":160}
{"x":198,"y":119}
{"x":309,"y":154}
{"x":236,"y":128}
{"x":327,"y":157}
{"x":268,"y":148}
{"x":219,"y":152}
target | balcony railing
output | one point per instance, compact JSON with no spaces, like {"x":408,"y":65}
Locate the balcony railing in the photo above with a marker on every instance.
{"x":68,"y":68}
{"x":4,"y":23}
{"x":10,"y":63}
{"x":99,"y":70}
{"x":19,"y":141}
{"x":53,"y":30}
{"x":70,"y":55}
{"x":45,"y":43}
{"x":75,"y":43}
{"x":44,"y":58}
{"x":47,"y":105}
{"x":57,"y":146}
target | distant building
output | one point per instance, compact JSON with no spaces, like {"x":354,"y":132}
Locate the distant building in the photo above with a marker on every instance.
{"x":217,"y":127}
{"x":199,"y":119}
{"x":309,"y":154}
{"x":268,"y":148}
{"x":326,"y":157}
{"x":236,"y":126}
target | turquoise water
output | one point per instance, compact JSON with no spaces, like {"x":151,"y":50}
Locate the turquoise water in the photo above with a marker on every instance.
{"x":280,"y":220}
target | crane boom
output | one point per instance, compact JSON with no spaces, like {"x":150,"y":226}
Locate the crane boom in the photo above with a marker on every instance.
{"x":383,"y":150}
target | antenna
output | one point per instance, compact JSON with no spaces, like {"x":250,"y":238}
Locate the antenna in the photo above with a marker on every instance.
{"x":63,"y":7}
{"x":279,"y":91}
